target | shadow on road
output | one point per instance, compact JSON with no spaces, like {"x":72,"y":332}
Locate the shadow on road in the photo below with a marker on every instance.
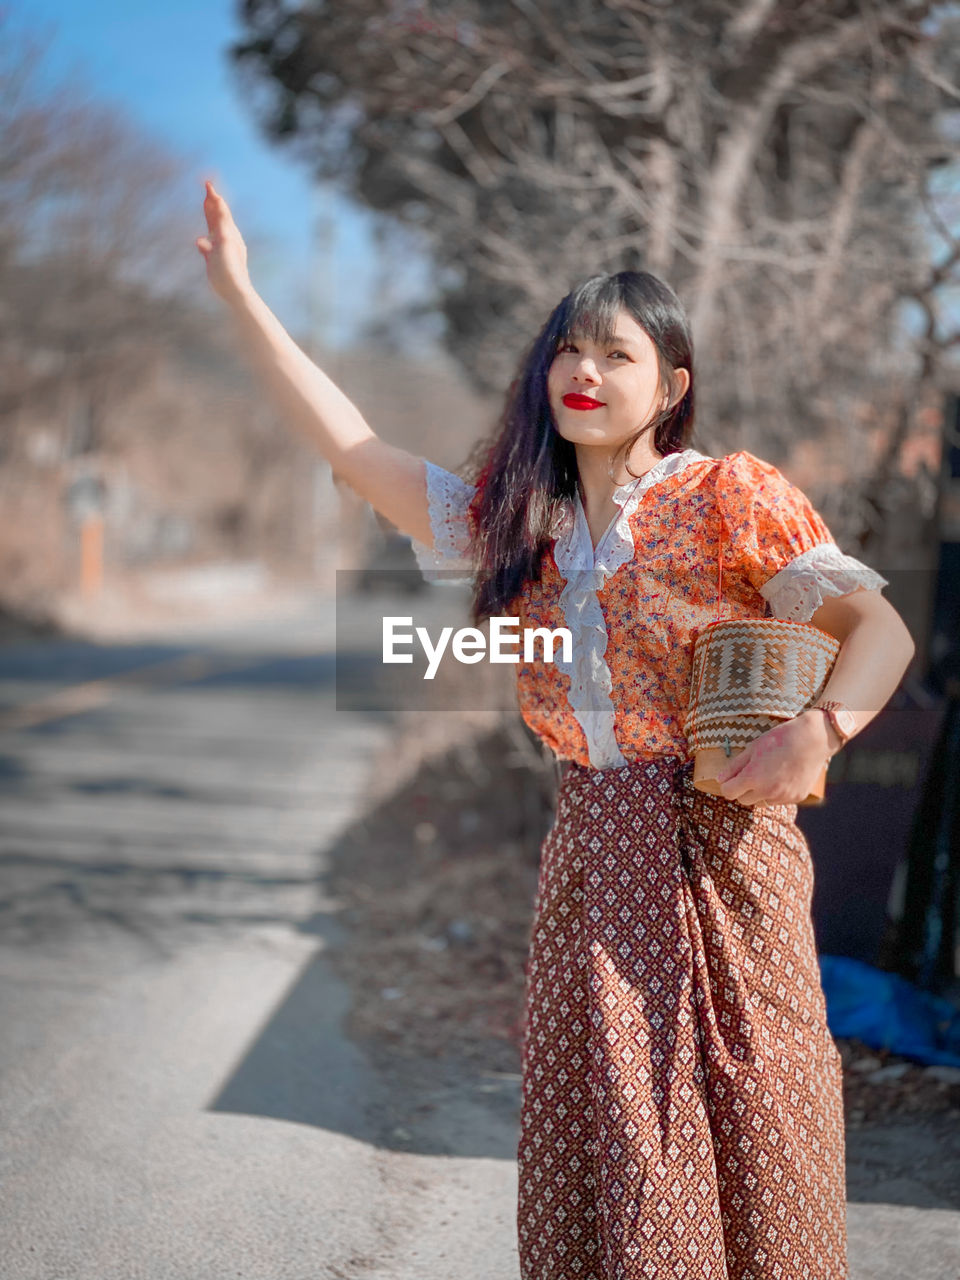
{"x":192,"y":814}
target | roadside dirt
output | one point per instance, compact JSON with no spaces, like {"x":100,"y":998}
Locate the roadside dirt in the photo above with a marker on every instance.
{"x":437,"y":886}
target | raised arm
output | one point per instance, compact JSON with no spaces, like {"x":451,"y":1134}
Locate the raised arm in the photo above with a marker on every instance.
{"x":392,"y":480}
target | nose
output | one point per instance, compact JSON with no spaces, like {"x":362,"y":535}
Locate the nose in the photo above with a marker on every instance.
{"x":585,"y":370}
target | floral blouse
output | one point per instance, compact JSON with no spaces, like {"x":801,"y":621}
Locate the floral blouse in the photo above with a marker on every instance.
{"x":696,"y":538}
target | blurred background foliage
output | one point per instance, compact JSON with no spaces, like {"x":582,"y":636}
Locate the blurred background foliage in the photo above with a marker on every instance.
{"x":789,"y":168}
{"x":123,"y":395}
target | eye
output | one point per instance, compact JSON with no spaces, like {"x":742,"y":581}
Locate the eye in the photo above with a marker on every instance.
{"x":566,"y":346}
{"x":619,"y":353}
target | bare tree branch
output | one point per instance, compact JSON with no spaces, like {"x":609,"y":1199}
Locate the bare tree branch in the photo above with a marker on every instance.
{"x":773,"y":161}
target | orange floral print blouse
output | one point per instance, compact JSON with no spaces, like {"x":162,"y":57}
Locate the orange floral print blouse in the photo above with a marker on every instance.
{"x":689,"y":526}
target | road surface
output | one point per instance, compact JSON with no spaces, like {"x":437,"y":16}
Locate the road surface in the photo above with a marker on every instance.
{"x":179,"y":1100}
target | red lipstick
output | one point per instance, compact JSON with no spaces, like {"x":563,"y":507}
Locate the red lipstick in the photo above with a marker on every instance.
{"x":574,"y":401}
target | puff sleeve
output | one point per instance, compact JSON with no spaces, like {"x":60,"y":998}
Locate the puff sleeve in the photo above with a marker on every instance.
{"x":775,"y":538}
{"x":448,"y":501}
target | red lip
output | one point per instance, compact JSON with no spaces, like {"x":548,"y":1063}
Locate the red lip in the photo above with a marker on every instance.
{"x":582,"y":402}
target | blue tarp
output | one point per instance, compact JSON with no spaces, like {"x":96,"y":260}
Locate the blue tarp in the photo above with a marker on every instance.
{"x":887,"y":1012}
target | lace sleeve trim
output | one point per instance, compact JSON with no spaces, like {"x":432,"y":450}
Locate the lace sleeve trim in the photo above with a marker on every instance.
{"x":448,"y":497}
{"x":799,"y":589}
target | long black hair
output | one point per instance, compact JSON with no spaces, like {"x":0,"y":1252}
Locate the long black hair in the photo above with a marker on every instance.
{"x":529,"y":469}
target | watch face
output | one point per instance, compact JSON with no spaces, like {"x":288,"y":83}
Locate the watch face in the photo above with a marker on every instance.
{"x":846,"y":722}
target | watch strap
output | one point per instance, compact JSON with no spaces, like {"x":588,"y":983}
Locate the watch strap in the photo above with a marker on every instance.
{"x":830,"y":708}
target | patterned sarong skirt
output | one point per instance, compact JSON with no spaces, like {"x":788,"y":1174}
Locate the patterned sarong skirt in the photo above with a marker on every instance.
{"x":681,"y":1110}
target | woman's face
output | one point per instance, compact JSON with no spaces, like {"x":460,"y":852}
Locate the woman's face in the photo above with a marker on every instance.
{"x":601,"y":394}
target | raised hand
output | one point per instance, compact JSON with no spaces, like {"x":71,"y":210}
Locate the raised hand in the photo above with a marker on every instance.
{"x":223,"y":249}
{"x":390,"y":478}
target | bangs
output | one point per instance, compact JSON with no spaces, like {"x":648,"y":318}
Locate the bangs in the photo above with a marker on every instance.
{"x":591,"y":311}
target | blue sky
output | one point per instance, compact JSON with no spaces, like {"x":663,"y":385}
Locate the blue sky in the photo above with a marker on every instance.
{"x":164,"y":64}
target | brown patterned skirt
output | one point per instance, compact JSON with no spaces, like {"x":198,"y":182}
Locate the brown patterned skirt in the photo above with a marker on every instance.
{"x":682,"y":1110}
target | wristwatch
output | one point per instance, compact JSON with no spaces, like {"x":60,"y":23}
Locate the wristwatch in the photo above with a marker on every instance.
{"x":841,"y":717}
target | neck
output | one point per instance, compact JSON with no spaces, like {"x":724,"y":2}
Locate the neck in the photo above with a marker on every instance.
{"x":595,"y":464}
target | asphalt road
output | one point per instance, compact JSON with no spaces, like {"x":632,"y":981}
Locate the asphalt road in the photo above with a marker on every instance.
{"x":178,"y":1099}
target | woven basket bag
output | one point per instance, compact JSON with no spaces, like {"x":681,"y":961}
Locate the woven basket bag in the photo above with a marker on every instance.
{"x":750,"y":674}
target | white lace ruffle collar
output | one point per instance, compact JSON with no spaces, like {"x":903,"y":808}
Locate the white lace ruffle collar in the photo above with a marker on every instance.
{"x":585,"y":573}
{"x":574,"y":545}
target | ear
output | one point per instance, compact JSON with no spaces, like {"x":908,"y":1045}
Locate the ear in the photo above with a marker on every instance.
{"x":682,"y":382}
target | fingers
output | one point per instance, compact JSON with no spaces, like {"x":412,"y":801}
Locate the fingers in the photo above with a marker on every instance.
{"x":752,"y":796}
{"x":211,"y":208}
{"x":745,"y":788}
{"x":216,"y":208}
{"x":728,"y":772}
{"x":213,"y":214}
{"x":204,"y":244}
{"x":746,"y":796}
{"x":734,"y":766}
{"x":749,"y":799}
{"x":734,"y":789}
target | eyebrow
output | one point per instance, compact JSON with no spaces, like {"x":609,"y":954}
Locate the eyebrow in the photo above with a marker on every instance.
{"x":615,"y":339}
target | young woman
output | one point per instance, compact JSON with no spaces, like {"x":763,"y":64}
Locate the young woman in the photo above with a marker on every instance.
{"x":681,"y":1105}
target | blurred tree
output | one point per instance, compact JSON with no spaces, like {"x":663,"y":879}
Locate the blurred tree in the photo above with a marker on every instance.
{"x":119,"y":371}
{"x":89,"y":232}
{"x":775,"y":161}
{"x":112,"y":370}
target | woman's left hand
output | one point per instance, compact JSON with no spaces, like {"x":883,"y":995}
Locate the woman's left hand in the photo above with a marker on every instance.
{"x":782,"y":765}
